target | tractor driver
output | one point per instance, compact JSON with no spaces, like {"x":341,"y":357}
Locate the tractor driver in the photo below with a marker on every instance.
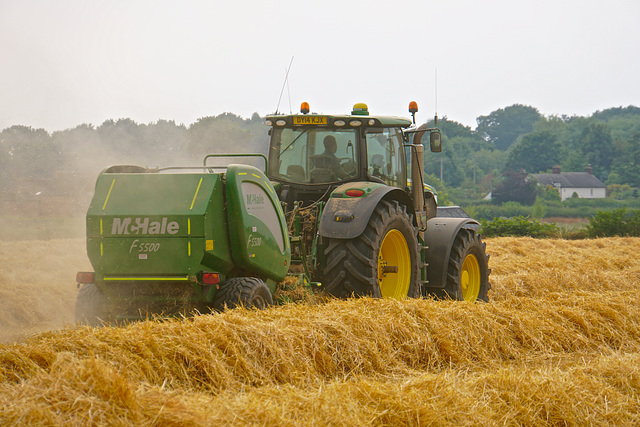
{"x":333,"y":163}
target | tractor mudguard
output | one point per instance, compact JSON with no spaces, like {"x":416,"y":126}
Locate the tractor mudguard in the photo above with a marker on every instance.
{"x":439,"y":237}
{"x":346,"y":217}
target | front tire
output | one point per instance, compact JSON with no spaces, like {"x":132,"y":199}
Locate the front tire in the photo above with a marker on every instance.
{"x":382,"y":262}
{"x":243,"y":291}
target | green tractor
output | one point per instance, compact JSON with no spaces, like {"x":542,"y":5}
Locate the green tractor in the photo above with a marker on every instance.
{"x":341,"y":205}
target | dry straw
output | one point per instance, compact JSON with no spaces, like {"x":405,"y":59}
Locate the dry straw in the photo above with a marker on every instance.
{"x":559,"y":344}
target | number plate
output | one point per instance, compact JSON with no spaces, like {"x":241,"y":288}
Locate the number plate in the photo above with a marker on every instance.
{"x":309,"y":120}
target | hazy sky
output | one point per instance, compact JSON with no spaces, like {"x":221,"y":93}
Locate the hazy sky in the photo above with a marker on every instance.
{"x":64,"y":63}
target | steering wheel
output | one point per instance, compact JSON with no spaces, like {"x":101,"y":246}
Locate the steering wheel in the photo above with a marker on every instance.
{"x":348,"y":165}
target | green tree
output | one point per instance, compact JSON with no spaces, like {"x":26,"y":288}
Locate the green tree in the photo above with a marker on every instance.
{"x":166,"y":143}
{"x":224,"y":133}
{"x":620,"y":191}
{"x":467,"y":157}
{"x":82,"y":149}
{"x":625,"y":168}
{"x":445,"y":162}
{"x":27,"y":152}
{"x":535,"y":152}
{"x":503,"y":126}
{"x":616,"y":112}
{"x":123,"y":139}
{"x":259,"y":133}
{"x":441,"y":189}
{"x":515,"y":188}
{"x":597,"y":147}
{"x":623,"y":122}
{"x":453,"y":129}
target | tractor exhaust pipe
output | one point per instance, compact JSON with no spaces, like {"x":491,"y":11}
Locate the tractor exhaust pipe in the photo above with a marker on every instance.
{"x":417,"y":180}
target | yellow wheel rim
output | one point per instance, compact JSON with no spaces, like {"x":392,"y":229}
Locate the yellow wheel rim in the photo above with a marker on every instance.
{"x":394,"y":266}
{"x":470,"y":278}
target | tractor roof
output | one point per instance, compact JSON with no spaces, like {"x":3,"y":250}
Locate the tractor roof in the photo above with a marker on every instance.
{"x":358,"y":117}
{"x":334,"y":120}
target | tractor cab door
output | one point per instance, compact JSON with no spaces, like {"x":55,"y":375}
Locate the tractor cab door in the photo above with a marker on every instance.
{"x":385,"y":155}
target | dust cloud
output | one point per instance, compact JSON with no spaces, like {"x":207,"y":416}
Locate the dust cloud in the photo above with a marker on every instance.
{"x":37,"y":285}
{"x":46,"y":185}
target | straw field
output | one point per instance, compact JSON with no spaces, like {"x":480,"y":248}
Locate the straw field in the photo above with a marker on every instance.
{"x":558,"y":344}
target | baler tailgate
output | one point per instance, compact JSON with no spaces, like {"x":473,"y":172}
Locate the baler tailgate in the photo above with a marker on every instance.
{"x":157,"y":224}
{"x":146,"y":255}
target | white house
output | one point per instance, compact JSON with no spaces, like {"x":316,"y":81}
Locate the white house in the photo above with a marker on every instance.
{"x":584,"y":184}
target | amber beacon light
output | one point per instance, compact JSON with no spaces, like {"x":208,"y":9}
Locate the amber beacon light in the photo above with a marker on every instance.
{"x":413,"y":109}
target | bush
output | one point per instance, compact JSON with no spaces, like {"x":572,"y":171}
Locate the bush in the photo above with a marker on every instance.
{"x":617,"y":222}
{"x":570,"y":212}
{"x":549,"y":194}
{"x":606,"y":203}
{"x":620,"y":192}
{"x":488,"y":211}
{"x":539,"y":208}
{"x":570,"y":208}
{"x":633,"y":223}
{"x":518,"y":226}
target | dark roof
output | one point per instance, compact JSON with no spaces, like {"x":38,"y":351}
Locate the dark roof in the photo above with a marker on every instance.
{"x":569,"y":179}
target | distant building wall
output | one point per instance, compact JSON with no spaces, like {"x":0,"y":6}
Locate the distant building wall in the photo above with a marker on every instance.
{"x":583,"y":193}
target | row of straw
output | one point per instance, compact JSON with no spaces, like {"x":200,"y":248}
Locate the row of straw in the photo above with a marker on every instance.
{"x":386,"y":361}
{"x":558,"y":344}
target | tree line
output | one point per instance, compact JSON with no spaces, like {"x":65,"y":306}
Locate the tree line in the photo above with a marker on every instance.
{"x":519,"y":140}
{"x":505,"y":142}
{"x":36,"y":153}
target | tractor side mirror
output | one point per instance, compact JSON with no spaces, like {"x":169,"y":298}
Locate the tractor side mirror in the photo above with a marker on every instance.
{"x":435,"y":139}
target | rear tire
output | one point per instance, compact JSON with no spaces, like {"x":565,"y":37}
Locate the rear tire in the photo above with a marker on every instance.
{"x":91,"y":306}
{"x":382,"y":262}
{"x":468,"y":270}
{"x":243,"y":291}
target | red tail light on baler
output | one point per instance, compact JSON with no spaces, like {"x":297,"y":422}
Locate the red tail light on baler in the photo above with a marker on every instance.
{"x":85,"y":277}
{"x":209,"y":278}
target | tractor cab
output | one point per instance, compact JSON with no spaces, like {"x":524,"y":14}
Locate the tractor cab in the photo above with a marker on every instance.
{"x":310,"y":153}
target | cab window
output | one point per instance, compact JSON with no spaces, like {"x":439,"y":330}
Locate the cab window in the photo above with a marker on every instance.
{"x":385,"y":155}
{"x":313,"y":155}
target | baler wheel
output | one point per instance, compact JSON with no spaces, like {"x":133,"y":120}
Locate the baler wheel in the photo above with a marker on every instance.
{"x":90,"y":306}
{"x":243,"y":291}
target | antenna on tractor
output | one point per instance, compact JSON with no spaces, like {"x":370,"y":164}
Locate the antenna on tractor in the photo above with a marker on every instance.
{"x":289,"y":95}
{"x":435,"y":119}
{"x":286,"y":80}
